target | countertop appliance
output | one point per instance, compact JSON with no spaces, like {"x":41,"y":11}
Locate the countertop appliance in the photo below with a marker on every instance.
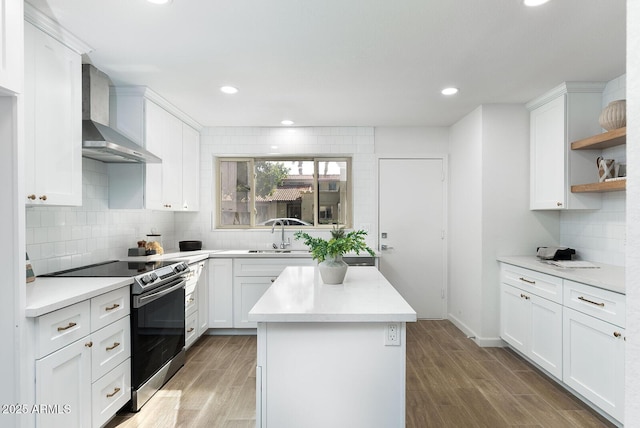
{"x":157,"y":319}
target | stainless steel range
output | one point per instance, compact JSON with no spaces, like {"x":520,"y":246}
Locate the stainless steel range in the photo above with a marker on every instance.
{"x":157,"y":319}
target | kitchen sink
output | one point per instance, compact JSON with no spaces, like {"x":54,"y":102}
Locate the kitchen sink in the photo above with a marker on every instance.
{"x":276,"y":251}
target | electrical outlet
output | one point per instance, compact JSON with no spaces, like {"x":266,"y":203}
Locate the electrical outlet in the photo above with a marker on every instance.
{"x":392,"y":334}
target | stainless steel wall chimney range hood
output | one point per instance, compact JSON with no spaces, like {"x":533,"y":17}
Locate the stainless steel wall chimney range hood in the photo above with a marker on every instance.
{"x":99,"y":141}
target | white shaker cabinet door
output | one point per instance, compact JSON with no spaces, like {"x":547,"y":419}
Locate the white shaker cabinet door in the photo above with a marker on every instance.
{"x":11,"y":31}
{"x":53,"y":121}
{"x":593,"y":363}
{"x":190,"y":168}
{"x":220,"y":293}
{"x":514,"y":317}
{"x":548,"y":156}
{"x":64,"y":382}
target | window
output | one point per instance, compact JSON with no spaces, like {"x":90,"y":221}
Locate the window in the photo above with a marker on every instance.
{"x":302,"y":192}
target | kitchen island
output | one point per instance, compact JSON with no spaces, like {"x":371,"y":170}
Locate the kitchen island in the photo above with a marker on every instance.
{"x":331,"y":355}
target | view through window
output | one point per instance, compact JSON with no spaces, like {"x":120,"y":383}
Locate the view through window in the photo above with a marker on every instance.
{"x":303,"y":192}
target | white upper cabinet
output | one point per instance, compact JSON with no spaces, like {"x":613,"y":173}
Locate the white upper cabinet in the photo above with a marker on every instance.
{"x":565,"y":114}
{"x":171,"y":185}
{"x":53,"y":120}
{"x":11,"y":46}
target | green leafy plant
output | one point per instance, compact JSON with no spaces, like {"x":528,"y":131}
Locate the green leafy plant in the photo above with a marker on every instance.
{"x":340,"y":243}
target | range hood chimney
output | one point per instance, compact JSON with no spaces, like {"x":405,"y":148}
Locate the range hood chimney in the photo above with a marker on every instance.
{"x":99,"y":141}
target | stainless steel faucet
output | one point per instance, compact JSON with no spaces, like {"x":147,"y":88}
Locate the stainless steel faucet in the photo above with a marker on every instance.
{"x":283,"y":243}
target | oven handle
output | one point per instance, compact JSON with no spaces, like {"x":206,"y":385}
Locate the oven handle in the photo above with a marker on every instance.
{"x":143,"y":299}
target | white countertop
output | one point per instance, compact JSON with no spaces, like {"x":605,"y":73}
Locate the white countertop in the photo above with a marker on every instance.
{"x":187,"y":256}
{"x":47,"y":294}
{"x":298,"y":295}
{"x":605,"y":276}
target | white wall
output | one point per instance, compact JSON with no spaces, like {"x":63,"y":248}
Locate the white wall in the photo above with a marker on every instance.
{"x":413,"y":141}
{"x":489,"y":212}
{"x":465,"y":222}
{"x":65,"y":237}
{"x":632,"y":387}
{"x":599,"y":235}
{"x":357,"y":142}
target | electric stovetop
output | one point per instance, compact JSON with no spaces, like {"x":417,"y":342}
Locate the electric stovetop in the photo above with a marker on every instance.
{"x":111,"y":268}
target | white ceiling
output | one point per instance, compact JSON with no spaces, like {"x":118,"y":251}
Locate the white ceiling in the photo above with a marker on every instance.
{"x":346,"y":62}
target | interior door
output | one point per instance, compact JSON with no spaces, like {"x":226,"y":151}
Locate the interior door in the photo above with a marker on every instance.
{"x":411,"y":226}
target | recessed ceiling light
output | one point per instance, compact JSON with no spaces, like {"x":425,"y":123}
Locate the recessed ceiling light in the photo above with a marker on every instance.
{"x":229,"y":89}
{"x":533,"y":3}
{"x":449,"y":91}
{"x":159,"y":1}
{"x":287,"y":122}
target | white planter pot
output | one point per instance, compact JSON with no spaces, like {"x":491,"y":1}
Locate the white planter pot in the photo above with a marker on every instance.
{"x":333,"y":270}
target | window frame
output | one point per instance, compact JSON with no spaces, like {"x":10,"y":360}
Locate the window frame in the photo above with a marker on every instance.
{"x":285,"y":158}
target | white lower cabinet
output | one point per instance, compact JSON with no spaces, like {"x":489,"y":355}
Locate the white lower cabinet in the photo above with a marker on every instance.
{"x":196,"y":296}
{"x":594,"y":344}
{"x":533,"y":326}
{"x":579,"y":337}
{"x":251,"y":278}
{"x":83,"y":364}
{"x":220,"y":293}
{"x":63,"y":386}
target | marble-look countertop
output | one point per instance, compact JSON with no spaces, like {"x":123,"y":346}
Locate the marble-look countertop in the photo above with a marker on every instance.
{"x":298,"y":295}
{"x":47,"y":294}
{"x":604,"y":276}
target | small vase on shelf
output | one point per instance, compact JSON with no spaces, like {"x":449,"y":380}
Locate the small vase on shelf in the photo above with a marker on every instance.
{"x":614,"y":115}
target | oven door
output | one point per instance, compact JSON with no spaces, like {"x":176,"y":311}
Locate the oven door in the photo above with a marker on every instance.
{"x":157,"y":329}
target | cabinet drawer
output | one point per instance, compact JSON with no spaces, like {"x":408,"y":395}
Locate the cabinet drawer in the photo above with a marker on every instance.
{"x":190,"y":298}
{"x":62,"y":327}
{"x":603,"y":304}
{"x":540,"y":284}
{"x":266,"y":267}
{"x":111,"y":346}
{"x":109,"y":307}
{"x":110,"y":393}
{"x":191,"y":329}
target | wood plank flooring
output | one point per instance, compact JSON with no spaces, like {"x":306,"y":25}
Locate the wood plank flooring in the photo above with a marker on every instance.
{"x":451,"y":382}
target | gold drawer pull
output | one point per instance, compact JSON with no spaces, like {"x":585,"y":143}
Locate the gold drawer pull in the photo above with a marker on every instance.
{"x":191,"y":300}
{"x":114,"y":346}
{"x":591,"y":301}
{"x":524,"y":296}
{"x":43,"y":198}
{"x":32,"y":197}
{"x":617,"y":334}
{"x":115,"y":391}
{"x":71,"y":324}
{"x":110,"y":308}
{"x":527,"y":281}
{"x":190,"y":330}
{"x":88,"y":344}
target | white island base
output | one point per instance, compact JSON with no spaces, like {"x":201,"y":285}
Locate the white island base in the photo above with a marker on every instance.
{"x":325,"y":358}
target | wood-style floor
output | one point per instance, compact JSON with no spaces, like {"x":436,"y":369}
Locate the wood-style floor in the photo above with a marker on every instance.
{"x":451,"y":382}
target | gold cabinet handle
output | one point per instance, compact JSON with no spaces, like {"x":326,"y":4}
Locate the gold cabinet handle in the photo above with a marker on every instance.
{"x":32,"y":197}
{"x":43,"y":198}
{"x":527,"y":281}
{"x":115,"y":391}
{"x":617,"y":334}
{"x":559,"y":204}
{"x":190,"y":330}
{"x":114,"y":346}
{"x":88,"y":344}
{"x":191,"y":300}
{"x":67,"y":327}
{"x":524,"y":296}
{"x":110,"y":308}
{"x":591,"y":301}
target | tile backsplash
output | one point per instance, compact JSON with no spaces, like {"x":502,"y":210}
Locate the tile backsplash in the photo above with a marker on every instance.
{"x":65,"y":237}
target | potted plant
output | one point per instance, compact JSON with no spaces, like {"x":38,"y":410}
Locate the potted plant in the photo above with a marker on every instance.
{"x":329,"y":253}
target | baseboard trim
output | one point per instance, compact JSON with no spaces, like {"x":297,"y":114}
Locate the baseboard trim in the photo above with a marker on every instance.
{"x":483,"y":342}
